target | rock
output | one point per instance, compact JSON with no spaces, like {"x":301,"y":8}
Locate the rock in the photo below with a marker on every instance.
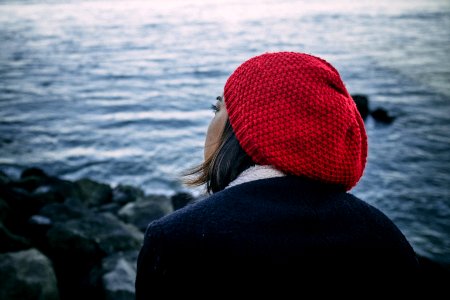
{"x":123,"y":194}
{"x":4,"y":179}
{"x":112,"y":207}
{"x":92,"y":251}
{"x":21,"y":205}
{"x":119,"y":276}
{"x":94,"y":193}
{"x":27,"y":275}
{"x":31,"y":178}
{"x":11,"y":242}
{"x":362,"y":103}
{"x":27,"y":198}
{"x":93,"y":236}
{"x":60,"y":212}
{"x":181,"y":199}
{"x":142,"y":212}
{"x":54,"y":189}
{"x":4,"y":210}
{"x":38,"y":227}
{"x":33,"y":172}
{"x":114,"y":278}
{"x":381,"y":115}
{"x":77,"y":245}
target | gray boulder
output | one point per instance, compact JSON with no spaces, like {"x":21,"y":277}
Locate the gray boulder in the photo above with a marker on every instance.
{"x":93,"y":236}
{"x":142,"y":212}
{"x":27,"y":275}
{"x":119,"y":276}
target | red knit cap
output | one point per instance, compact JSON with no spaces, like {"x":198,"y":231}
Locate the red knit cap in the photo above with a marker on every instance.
{"x":292,"y":111}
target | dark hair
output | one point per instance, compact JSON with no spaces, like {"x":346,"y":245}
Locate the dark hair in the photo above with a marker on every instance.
{"x":223,"y":166}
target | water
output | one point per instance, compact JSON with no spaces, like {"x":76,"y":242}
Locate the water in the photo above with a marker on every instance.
{"x":119,"y":91}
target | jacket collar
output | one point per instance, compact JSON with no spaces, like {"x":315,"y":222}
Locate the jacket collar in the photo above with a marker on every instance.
{"x":255,"y":173}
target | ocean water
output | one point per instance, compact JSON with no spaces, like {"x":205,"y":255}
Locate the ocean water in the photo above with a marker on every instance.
{"x":119,"y":91}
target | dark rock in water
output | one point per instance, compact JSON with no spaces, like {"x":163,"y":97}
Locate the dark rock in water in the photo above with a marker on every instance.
{"x":362,"y":103}
{"x":27,"y":275}
{"x":30,"y":183}
{"x":381,"y":115}
{"x":5,"y":141}
{"x":33,"y":172}
{"x":31,"y":178}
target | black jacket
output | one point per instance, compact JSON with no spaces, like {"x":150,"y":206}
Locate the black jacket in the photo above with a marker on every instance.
{"x":278,"y":235}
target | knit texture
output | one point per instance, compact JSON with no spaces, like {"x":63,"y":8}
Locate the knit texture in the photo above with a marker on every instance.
{"x":292,"y":111}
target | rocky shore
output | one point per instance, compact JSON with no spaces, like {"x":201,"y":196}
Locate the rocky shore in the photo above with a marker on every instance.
{"x":64,"y":239}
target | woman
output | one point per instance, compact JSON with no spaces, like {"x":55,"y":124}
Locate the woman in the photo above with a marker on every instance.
{"x":283,"y":150}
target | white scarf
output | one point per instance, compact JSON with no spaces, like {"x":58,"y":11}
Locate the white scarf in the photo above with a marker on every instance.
{"x":256,"y":172}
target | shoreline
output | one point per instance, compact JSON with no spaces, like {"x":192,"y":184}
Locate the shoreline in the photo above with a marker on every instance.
{"x":81,"y":238}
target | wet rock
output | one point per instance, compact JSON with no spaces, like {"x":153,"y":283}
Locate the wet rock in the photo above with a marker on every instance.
{"x":126,"y":193}
{"x":78,"y":245}
{"x":60,"y":212}
{"x":119,"y":274}
{"x":38,"y":228}
{"x":93,"y":236}
{"x":33,"y":172}
{"x":362,"y":103}
{"x":54,"y":189}
{"x":31,"y":178}
{"x":382,"y":115}
{"x":112,"y":207}
{"x":142,"y":212}
{"x":21,"y":205}
{"x":27,"y":275}
{"x":94,"y":193}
